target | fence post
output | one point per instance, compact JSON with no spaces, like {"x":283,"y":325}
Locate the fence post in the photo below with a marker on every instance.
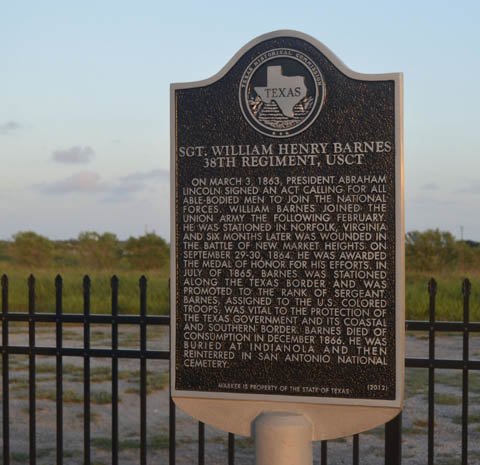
{"x":283,"y":438}
{"x":393,"y":441}
{"x":324,"y":452}
{"x":171,"y":412}
{"x":432,"y":290}
{"x":59,"y":366}
{"x":5,"y":374}
{"x":32,"y":403}
{"x":466,"y":288}
{"x":86,"y":371}
{"x":201,"y":443}
{"x":114,"y":284}
{"x":143,"y":371}
{"x":356,"y":450}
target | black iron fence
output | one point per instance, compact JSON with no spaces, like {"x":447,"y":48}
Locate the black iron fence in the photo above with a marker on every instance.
{"x":59,"y":350}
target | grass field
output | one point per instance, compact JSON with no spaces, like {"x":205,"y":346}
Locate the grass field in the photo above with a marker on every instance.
{"x":449,"y":297}
{"x":100,"y":291}
{"x":449,"y":300}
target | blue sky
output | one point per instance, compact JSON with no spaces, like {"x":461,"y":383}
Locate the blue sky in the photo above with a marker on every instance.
{"x":84,"y":101}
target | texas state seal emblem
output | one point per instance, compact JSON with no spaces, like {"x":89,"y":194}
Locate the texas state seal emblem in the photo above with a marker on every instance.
{"x":282,"y":92}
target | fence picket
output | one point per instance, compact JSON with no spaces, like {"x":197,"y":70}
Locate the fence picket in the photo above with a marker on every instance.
{"x":114,"y":287}
{"x":32,"y":399}
{"x":59,"y":366}
{"x":432,"y":291}
{"x":86,"y":372}
{"x":466,"y":289}
{"x":5,"y":374}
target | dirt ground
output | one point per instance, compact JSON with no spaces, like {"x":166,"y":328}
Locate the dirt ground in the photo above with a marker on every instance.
{"x":414,"y":446}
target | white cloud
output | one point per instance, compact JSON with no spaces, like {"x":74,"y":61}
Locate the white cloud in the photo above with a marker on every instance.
{"x":83,"y":182}
{"x":136,"y":182}
{"x":431,"y":186}
{"x":147,"y":176}
{"x":9,"y":126}
{"x":73,"y":155}
{"x":472,"y":188}
{"x":119,"y":190}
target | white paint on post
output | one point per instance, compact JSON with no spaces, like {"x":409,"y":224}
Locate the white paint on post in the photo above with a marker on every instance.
{"x":283,"y":438}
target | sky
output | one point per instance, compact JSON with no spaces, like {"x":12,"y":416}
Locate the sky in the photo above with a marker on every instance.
{"x":84,"y":101}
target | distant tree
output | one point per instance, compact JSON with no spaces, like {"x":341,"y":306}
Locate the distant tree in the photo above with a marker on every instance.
{"x":147,"y":252}
{"x":4,"y":249}
{"x":98,"y":251}
{"x":468,"y":256}
{"x":31,"y":249}
{"x":431,"y":250}
{"x":472,"y":244}
{"x":66,"y":254}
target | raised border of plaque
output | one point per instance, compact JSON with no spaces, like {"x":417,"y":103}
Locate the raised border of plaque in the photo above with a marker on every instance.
{"x":245,"y":406}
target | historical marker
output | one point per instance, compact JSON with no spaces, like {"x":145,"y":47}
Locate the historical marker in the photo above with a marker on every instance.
{"x":287,"y":230}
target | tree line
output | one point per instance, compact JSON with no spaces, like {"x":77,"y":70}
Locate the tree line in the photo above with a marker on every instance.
{"x":436,"y":251}
{"x":432,"y":250}
{"x":91,"y":250}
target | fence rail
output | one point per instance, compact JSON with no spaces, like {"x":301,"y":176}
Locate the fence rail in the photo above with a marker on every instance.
{"x":393,"y":429}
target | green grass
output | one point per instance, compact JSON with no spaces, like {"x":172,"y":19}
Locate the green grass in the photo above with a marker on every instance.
{"x":72,"y":397}
{"x":453,"y":458}
{"x":244,"y":443}
{"x":447,"y":461}
{"x":128,"y":300}
{"x":19,"y":383}
{"x":160,"y":441}
{"x":94,"y":417}
{"x":474,"y":382}
{"x":68,"y":454}
{"x":447,"y":399}
{"x":98,"y":374}
{"x":45,"y":368}
{"x":416,"y":382}
{"x":101,"y":397}
{"x":449,"y":299}
{"x":20,"y":457}
{"x":418,"y":426}
{"x":378,"y":432}
{"x":449,"y":379}
{"x":155,"y":382}
{"x":99,"y":336}
{"x":74,"y":373}
{"x":453,"y":379}
{"x":24,"y":457}
{"x":413,"y":430}
{"x":102,"y":442}
{"x":69,"y":396}
{"x":472,"y":418}
{"x":420,"y":423}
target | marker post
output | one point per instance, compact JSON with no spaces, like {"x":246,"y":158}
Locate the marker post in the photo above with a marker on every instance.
{"x":283,"y":438}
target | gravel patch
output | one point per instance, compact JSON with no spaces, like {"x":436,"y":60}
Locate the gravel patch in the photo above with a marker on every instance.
{"x":448,"y":395}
